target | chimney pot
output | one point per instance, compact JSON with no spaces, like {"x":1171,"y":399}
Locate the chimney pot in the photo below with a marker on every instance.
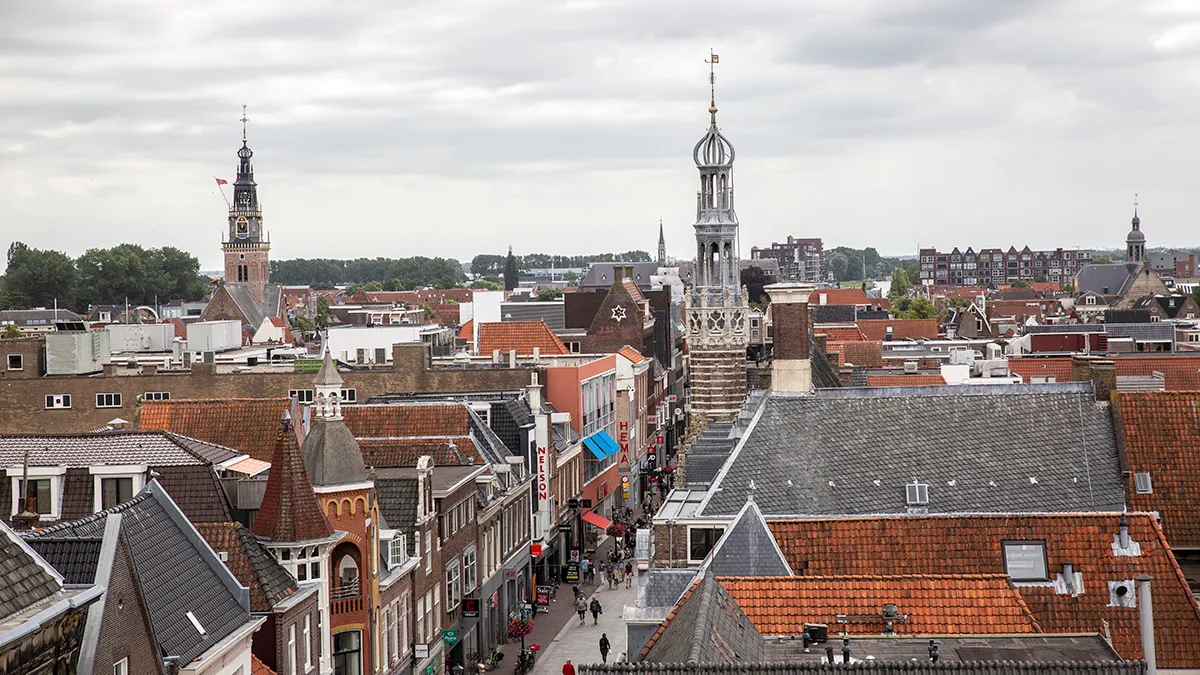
{"x":1124,"y":531}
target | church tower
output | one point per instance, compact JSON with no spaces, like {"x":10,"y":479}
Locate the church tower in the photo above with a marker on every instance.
{"x":1135,"y":241}
{"x":717,"y":307}
{"x":246,"y":247}
{"x":662,"y":245}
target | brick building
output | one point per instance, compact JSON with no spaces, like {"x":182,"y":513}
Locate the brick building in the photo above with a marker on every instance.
{"x":799,"y":259}
{"x":995,"y":266}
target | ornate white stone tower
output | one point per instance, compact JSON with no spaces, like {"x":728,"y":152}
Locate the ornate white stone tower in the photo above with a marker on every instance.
{"x":717,"y":307}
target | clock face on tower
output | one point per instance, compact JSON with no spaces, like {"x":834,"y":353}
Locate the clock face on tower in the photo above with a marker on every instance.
{"x":242,"y":228}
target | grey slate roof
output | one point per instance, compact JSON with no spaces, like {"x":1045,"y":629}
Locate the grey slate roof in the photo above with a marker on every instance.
{"x":707,"y":627}
{"x":1067,"y":328}
{"x":331,"y":455}
{"x":551,"y":313}
{"x":179,"y":573}
{"x":398,"y":499}
{"x":824,"y":375}
{"x":37,"y":317}
{"x":253,"y":311}
{"x":154,"y":448}
{"x":24,"y":581}
{"x":1116,"y":277}
{"x":1129,"y":315}
{"x":832,"y":313}
{"x":1143,"y":332}
{"x":998,"y":449}
{"x":601,"y":274}
{"x":665,"y":585}
{"x":76,"y":559}
{"x":747,"y":549}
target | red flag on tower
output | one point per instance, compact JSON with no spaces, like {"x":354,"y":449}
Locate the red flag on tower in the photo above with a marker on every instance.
{"x":221,"y":181}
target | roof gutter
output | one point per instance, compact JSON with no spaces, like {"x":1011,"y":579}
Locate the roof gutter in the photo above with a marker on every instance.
{"x":44,"y":617}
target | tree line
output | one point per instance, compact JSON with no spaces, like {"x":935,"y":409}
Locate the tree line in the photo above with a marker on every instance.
{"x":391,"y":274}
{"x":492,"y":266}
{"x":124,"y":273}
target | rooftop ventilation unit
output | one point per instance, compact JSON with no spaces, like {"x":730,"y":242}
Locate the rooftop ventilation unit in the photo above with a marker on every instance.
{"x":910,"y":366}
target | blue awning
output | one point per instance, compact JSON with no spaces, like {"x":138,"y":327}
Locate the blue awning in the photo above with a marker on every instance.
{"x":611,"y":447}
{"x":591,"y":444}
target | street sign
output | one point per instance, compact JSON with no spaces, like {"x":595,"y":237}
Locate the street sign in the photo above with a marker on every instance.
{"x":565,"y":528}
{"x":470,"y":608}
{"x":450,"y":636}
{"x":421,"y":651}
{"x":574,"y":555}
{"x":572,"y":571}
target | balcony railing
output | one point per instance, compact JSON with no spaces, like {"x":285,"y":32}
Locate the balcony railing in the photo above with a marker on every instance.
{"x":346,"y":598}
{"x":345,"y":590}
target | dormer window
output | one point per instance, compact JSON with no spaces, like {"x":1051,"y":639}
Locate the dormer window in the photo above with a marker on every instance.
{"x":1025,"y":560}
{"x":45,"y":485}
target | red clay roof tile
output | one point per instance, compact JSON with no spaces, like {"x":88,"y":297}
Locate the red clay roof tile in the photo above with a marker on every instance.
{"x":289,"y":510}
{"x":522,"y":336}
{"x":909,"y":380}
{"x":945,"y":604}
{"x":972,"y":544}
{"x":247,"y":425}
{"x":902,"y":329}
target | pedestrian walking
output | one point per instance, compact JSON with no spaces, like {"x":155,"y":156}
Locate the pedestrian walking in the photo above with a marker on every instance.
{"x":586,"y":568}
{"x":605,"y":646}
{"x":597,"y":610}
{"x":568,"y":668}
{"x":620,"y":574}
{"x":581,"y":606}
{"x":612,"y":577}
{"x":628,"y":574}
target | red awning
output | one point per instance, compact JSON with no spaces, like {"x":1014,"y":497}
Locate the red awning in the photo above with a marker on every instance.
{"x":596,"y":519}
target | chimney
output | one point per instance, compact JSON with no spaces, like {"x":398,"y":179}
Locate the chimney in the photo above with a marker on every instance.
{"x":1146,"y":614}
{"x":535,"y":394}
{"x":791,"y":369}
{"x":512,"y":358}
{"x":1123,"y":536}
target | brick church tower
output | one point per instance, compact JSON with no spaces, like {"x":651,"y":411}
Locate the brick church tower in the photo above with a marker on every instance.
{"x":247,"y":248}
{"x":717,"y":334}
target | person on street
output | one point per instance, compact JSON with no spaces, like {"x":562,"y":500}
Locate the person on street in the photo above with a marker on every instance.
{"x":612,"y":576}
{"x":568,"y":668}
{"x":604,"y":647}
{"x":596,"y":611}
{"x":586,"y":568}
{"x":620,"y":574}
{"x":628,"y":574}
{"x":581,"y":606}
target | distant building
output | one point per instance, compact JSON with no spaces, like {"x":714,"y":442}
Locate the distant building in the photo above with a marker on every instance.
{"x":799,"y":259}
{"x":995,"y":266}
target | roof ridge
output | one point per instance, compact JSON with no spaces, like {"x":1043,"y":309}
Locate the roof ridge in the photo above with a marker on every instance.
{"x":985,"y":576}
{"x":68,"y":525}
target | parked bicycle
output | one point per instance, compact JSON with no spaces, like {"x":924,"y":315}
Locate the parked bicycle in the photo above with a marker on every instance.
{"x":525,"y":662}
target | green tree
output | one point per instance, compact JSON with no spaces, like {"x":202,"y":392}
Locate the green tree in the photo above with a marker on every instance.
{"x":305,"y":325}
{"x":486,"y":265}
{"x":37,"y":278}
{"x":1020,"y":283}
{"x":512,"y":275}
{"x":322,"y":312}
{"x":487,"y":285}
{"x":899,"y":287}
{"x":428,"y":311}
{"x":1102,"y":260}
{"x":915,"y":308}
{"x":11,"y":331}
{"x":549,"y":294}
{"x":372,"y":286}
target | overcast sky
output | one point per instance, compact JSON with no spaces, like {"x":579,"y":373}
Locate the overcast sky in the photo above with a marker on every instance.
{"x":452,"y":127}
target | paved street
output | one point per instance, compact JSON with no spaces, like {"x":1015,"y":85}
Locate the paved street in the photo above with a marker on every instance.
{"x":581,"y":643}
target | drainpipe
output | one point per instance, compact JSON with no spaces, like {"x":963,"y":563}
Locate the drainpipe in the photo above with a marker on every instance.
{"x":1146,"y":612}
{"x":671,"y":543}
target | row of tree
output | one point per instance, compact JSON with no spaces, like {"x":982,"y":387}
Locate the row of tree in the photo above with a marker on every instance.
{"x":393,"y":274}
{"x":125,"y":273}
{"x":492,"y":266}
{"x":854,"y":264}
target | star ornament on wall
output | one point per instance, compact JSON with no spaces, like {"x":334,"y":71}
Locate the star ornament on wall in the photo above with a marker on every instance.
{"x":618,"y":314}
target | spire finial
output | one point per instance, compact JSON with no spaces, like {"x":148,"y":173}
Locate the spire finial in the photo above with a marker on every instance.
{"x":1135,"y":203}
{"x":712,"y":61}
{"x":243,"y":120}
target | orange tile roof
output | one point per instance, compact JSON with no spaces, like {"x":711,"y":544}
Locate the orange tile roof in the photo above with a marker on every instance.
{"x":522,"y":336}
{"x":631,"y":354}
{"x":867,"y":354}
{"x":902,"y":329}
{"x":1182,"y":371}
{"x":841,"y":333}
{"x":408,"y":420}
{"x":1160,"y":433}
{"x":1057,"y":367}
{"x":909,"y":380}
{"x":289,"y":511}
{"x":972,"y":544}
{"x":247,"y":425}
{"x":393,"y":452}
{"x":467,"y":330}
{"x":257,"y":667}
{"x":633,"y":291}
{"x":940,"y":604}
{"x":846,"y":296}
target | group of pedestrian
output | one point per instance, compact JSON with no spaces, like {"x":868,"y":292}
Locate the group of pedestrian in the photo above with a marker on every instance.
{"x":605,"y":647}
{"x":582,"y":606}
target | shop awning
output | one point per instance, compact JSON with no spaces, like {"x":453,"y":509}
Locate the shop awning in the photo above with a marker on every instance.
{"x":611,"y":447}
{"x":593,"y":518}
{"x":596,"y":449}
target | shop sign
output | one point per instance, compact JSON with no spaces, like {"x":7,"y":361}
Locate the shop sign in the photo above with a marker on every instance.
{"x":421,"y":651}
{"x":450,"y":636}
{"x":470,"y":608}
{"x":572,"y":571}
{"x":535,"y":550}
{"x":543,"y":474}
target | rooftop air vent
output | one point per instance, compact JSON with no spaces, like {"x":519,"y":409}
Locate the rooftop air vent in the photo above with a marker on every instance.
{"x":916,"y":494}
{"x":910,"y":366}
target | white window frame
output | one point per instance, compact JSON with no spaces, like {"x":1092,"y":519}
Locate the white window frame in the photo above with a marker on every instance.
{"x":109,"y":400}
{"x":66,"y":399}
{"x":135,"y":471}
{"x":121,"y":667}
{"x":54,"y":473}
{"x":404,"y":636}
{"x":470,"y":569}
{"x":722,"y":528}
{"x":302,"y":395}
{"x":428,"y":551}
{"x":1142,"y":483}
{"x":20,"y":362}
{"x":420,"y":620}
{"x":385,"y":627}
{"x":453,"y":583}
{"x":396,"y":550}
{"x":308,"y":661}
{"x":292,"y":648}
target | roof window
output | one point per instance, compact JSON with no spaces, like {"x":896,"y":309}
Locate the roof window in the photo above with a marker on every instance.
{"x":1025,"y":560}
{"x":1142,"y":484}
{"x":916,"y":494}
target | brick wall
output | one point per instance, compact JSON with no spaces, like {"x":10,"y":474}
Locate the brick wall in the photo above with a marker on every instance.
{"x":32,"y":353}
{"x":454,"y":545}
{"x":791,"y":330}
{"x":284,"y":621}
{"x":666,"y":555}
{"x":23,"y":401}
{"x":125,"y":631}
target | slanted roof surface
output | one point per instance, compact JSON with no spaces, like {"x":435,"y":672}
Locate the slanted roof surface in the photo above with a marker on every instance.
{"x":852,"y":451}
{"x":522,"y":336}
{"x":249,"y":561}
{"x":289,"y":511}
{"x":247,"y":424}
{"x":24,"y":581}
{"x":939,"y":604}
{"x":706,"y":626}
{"x":747,"y":548}
{"x":973,"y":544}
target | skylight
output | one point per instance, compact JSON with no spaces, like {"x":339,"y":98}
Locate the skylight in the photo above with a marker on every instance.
{"x":196,"y":624}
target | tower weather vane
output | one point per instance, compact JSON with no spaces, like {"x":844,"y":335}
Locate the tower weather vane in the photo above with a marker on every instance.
{"x":712,"y":60}
{"x":243,"y":121}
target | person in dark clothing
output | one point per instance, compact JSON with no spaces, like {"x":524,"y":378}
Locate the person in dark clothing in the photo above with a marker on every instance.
{"x":596,"y":611}
{"x":604,"y":647}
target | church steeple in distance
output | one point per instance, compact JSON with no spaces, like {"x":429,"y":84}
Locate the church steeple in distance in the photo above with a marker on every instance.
{"x":1135,"y":241}
{"x":246,"y":247}
{"x":662,"y":245}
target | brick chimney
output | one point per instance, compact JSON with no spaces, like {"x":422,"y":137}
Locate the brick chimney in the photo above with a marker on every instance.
{"x":791,"y":369}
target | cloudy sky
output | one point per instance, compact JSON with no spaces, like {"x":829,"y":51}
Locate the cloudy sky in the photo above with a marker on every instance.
{"x":454,"y":127}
